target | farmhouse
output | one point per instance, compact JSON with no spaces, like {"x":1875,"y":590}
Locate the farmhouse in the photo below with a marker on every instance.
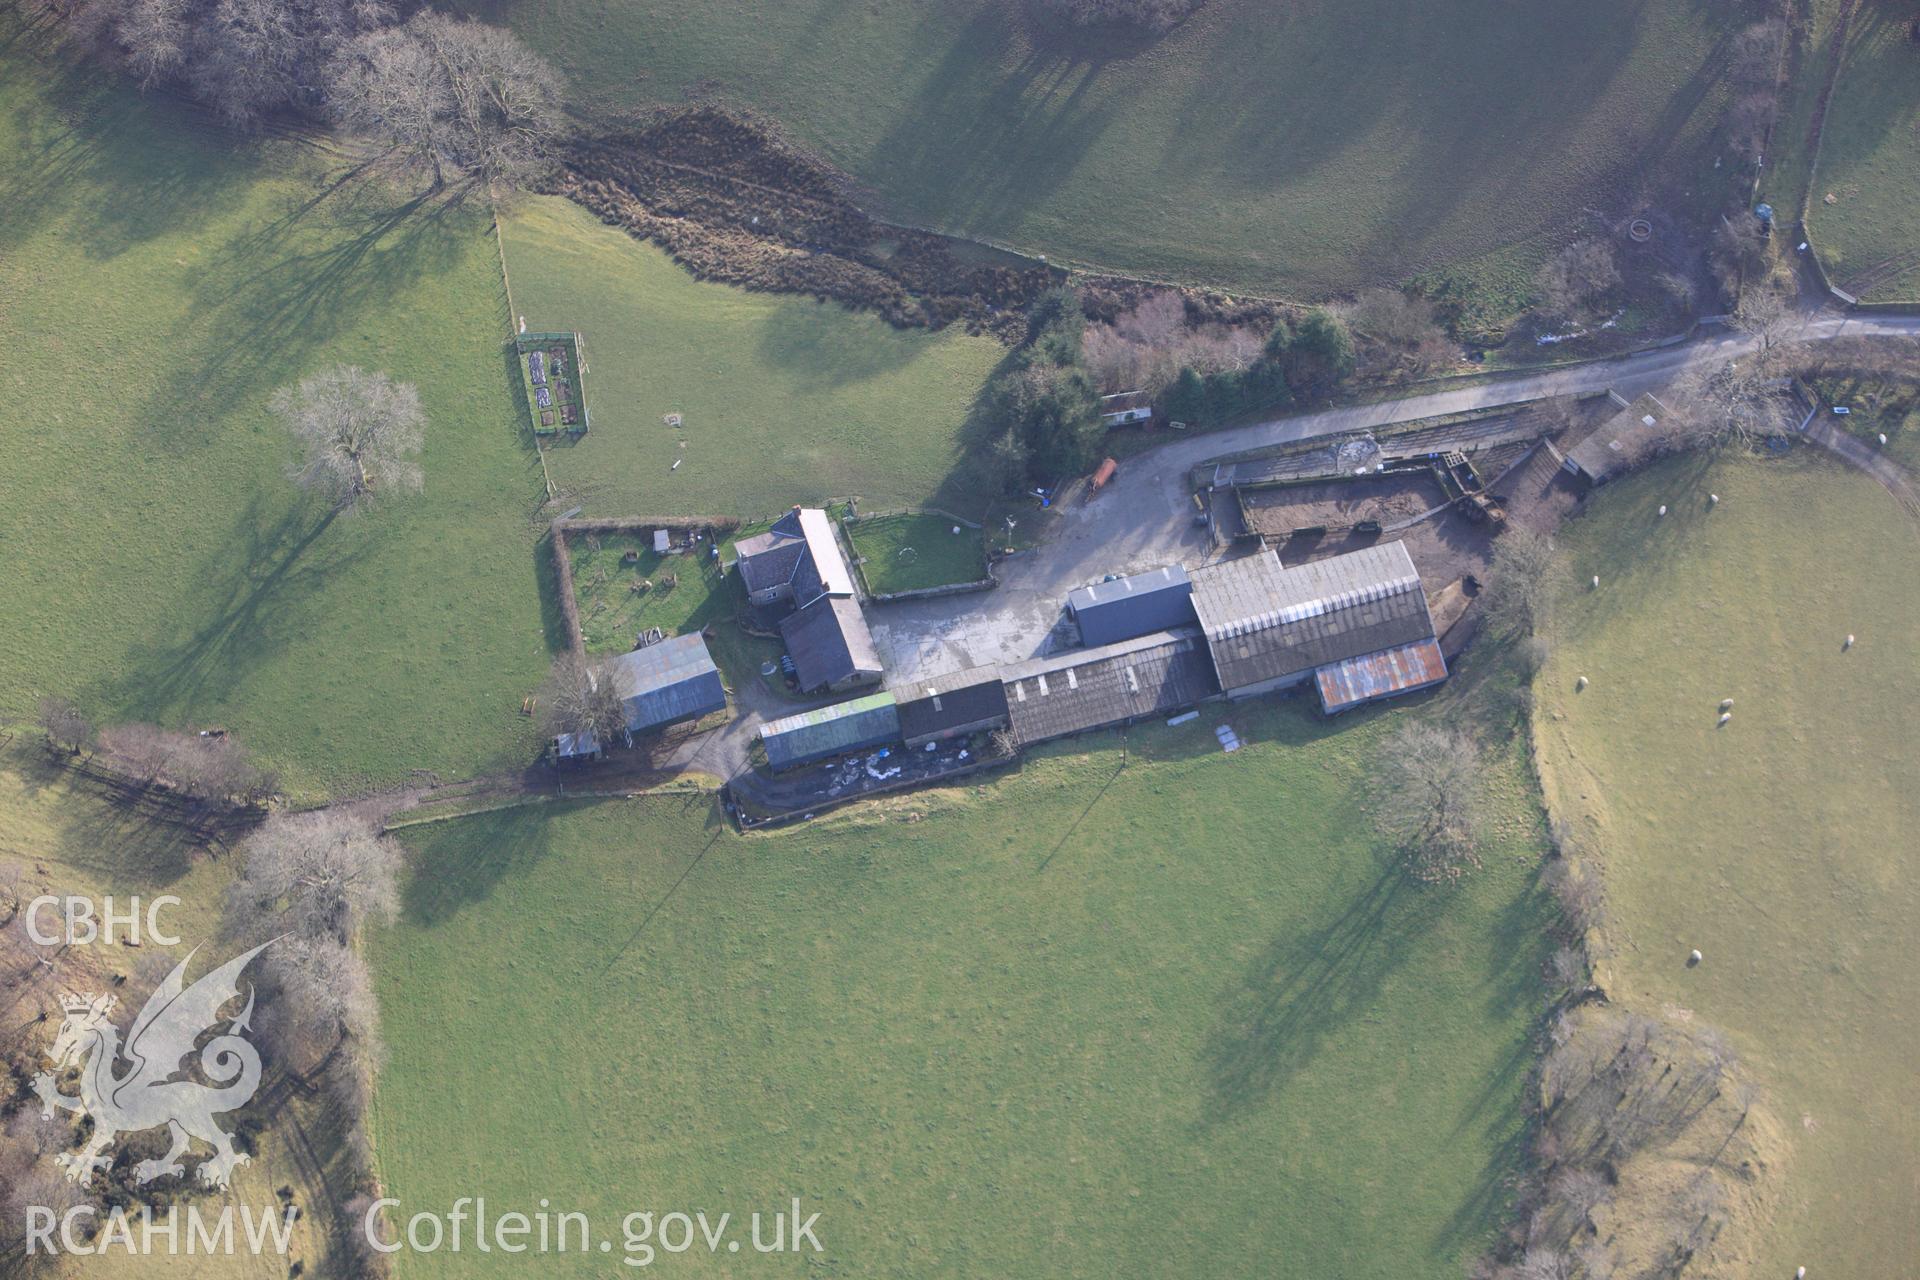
{"x":1122,"y":608}
{"x":667,"y":683}
{"x":795,"y":562}
{"x":954,"y":706}
{"x":830,"y":644}
{"x":797,"y":565}
{"x":1270,"y":627}
{"x":824,"y":732}
{"x":1633,"y":436}
{"x":1094,"y":688}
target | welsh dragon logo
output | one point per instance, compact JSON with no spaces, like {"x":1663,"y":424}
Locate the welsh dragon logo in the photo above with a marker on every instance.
{"x":152,"y":1092}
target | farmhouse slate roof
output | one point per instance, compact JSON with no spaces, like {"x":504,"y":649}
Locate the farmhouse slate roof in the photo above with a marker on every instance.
{"x":830,"y":642}
{"x":1133,"y":606}
{"x":799,"y":551}
{"x":1265,"y":622}
{"x":1092,"y":688}
{"x":667,"y":682}
{"x":830,"y":731}
{"x":951,"y":702}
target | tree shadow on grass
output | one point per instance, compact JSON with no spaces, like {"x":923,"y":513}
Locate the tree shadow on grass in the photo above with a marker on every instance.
{"x":1299,"y":991}
{"x":457,"y":864}
{"x":984,"y":142}
{"x":251,"y":583}
{"x":284,"y":290}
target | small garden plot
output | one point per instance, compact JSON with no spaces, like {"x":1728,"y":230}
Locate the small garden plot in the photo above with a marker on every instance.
{"x":624,"y":588}
{"x":555,"y":379}
{"x":910,"y":552}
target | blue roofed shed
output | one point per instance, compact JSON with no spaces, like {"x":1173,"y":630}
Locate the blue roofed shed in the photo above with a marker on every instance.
{"x":1109,"y":612}
{"x":668,"y":682}
{"x":831,"y":731}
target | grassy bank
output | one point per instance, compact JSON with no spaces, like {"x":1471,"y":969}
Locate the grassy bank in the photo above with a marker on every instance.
{"x":161,"y":278}
{"x":909,"y":552}
{"x":1153,"y":1012}
{"x":1305,"y":150}
{"x":1779,"y":845}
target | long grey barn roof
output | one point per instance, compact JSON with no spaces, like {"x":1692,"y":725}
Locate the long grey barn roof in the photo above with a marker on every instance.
{"x":1263,"y":621}
{"x":1092,"y":688}
{"x":1138,"y":605}
{"x":669,"y":681}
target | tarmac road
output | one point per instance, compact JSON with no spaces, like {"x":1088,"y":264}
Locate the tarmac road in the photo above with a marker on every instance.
{"x":1144,"y":517}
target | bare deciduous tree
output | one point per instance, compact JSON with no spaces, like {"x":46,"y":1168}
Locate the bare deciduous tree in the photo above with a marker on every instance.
{"x":66,"y":729}
{"x":140,"y":751}
{"x":1575,"y":281}
{"x":315,"y":875}
{"x":580,"y":696}
{"x":1519,"y":582}
{"x":1405,"y":322}
{"x":1765,"y":312}
{"x":1427,"y":799}
{"x":456,"y":94}
{"x":1579,"y":894}
{"x":1566,"y":969}
{"x":358,"y":433}
{"x":1582,"y":1190}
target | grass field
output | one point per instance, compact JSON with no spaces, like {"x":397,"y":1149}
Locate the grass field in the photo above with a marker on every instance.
{"x":1781,"y":845}
{"x":1160,"y":1012}
{"x":784,"y":399}
{"x":1869,"y":160}
{"x":159,"y":563}
{"x":1305,"y":149}
{"x":908,"y":552}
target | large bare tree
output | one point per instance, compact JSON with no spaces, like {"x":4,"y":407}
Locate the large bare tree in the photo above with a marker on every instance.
{"x":581,"y":696}
{"x":314,"y":875}
{"x":358,"y":433}
{"x":1427,"y":799}
{"x":454,"y":94}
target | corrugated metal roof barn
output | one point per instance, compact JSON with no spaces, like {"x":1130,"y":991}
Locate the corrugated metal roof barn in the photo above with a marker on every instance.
{"x":1269,"y":626}
{"x":668,"y":682}
{"x":831,"y":731}
{"x":1385,"y":674}
{"x":952,"y":706}
{"x":1123,"y":608}
{"x":1093,"y":688}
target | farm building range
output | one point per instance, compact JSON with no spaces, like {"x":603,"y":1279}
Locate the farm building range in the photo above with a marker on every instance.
{"x":797,"y":570}
{"x":1122,"y":608}
{"x":1623,"y":442}
{"x":1270,"y":627}
{"x":555,"y":379}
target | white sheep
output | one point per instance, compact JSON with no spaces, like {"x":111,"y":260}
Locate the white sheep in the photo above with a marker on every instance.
{"x":1726,"y":704}
{"x":1713,"y":499}
{"x":1579,"y":684}
{"x":1801,"y":1274}
{"x":1849,"y":643}
{"x":1596,"y":582}
{"x":1883,"y":439}
{"x":1725,"y":716}
{"x":1663,"y":508}
{"x":1693,"y":957}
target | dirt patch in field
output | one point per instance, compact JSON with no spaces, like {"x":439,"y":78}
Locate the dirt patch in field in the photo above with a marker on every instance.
{"x":733,"y":203}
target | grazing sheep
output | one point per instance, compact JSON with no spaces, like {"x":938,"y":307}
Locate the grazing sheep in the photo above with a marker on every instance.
{"x":1801,"y":1274}
{"x":1663,"y":508}
{"x":1883,"y":439}
{"x":1693,"y":957}
{"x":1579,"y":684}
{"x":1726,"y":704}
{"x":1849,"y":643}
{"x":1725,"y":716}
{"x":1596,"y":582}
{"x":1713,"y":499}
